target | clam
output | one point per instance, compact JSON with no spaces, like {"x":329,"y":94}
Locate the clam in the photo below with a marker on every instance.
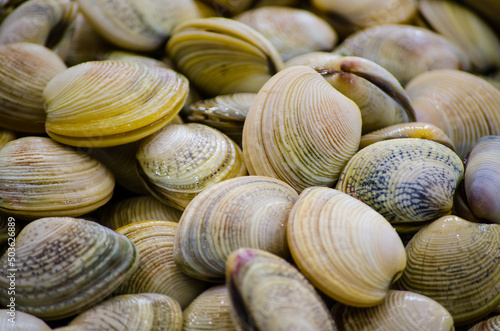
{"x":490,"y":324}
{"x":248,"y":211}
{"x":482,"y":179}
{"x":267,"y":293}
{"x":136,"y":209}
{"x":455,"y":262}
{"x":40,"y":177}
{"x":209,"y":311}
{"x":145,"y":312}
{"x":400,"y":310}
{"x":181,"y":160}
{"x":109,"y":103}
{"x":119,"y":55}
{"x":291,"y":31}
{"x":6,"y":136}
{"x":157,"y":271}
{"x":407,"y":130}
{"x":300,"y":129}
{"x":404,"y":50}
{"x":65,"y":265}
{"x":344,"y":248}
{"x":406,"y":180}
{"x":25,"y":71}
{"x":463,"y":105}
{"x":223,"y":56}
{"x":21,"y":321}
{"x":229,"y":7}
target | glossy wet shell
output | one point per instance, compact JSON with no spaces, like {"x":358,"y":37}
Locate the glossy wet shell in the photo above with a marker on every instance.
{"x":249,"y":211}
{"x":65,"y":265}
{"x":300,"y":130}
{"x":405,"y":180}
{"x":465,"y":284}
{"x":109,"y":103}
{"x":345,"y":248}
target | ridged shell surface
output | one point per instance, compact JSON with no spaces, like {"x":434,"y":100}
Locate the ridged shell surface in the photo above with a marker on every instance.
{"x":405,"y":180}
{"x":345,"y":248}
{"x":248,"y":211}
{"x":491,"y":324}
{"x":109,"y":103}
{"x":65,"y":265}
{"x":300,"y":130}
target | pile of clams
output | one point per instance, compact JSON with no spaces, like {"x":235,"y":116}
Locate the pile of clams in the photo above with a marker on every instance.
{"x":249,"y":165}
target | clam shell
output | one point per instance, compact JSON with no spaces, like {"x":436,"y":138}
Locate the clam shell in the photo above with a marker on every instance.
{"x":464,"y":106}
{"x":345,"y":248}
{"x":455,"y":262}
{"x":400,"y":310}
{"x":181,"y":160}
{"x":157,"y":271}
{"x":65,"y":265}
{"x":6,"y":136}
{"x":267,"y":293}
{"x":300,"y":130}
{"x":491,"y":324}
{"x":23,"y":321}
{"x":209,"y":311}
{"x":248,"y":211}
{"x":109,"y":103}
{"x":40,"y":177}
{"x":25,"y":71}
{"x":405,"y":180}
{"x":229,"y":7}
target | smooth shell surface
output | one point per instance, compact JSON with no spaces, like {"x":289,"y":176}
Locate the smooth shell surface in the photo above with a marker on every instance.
{"x":405,"y":180}
{"x":65,"y":265}
{"x":21,"y":321}
{"x":109,"y":103}
{"x":300,"y":130}
{"x":345,"y":248}
{"x":248,"y":211}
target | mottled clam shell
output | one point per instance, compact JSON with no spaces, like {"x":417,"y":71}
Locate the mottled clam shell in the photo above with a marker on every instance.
{"x":25,"y":71}
{"x":405,"y":180}
{"x":223,"y":56}
{"x":292,"y":31}
{"x":40,"y":177}
{"x":145,"y":312}
{"x":455,"y":262}
{"x":300,"y":130}
{"x":491,"y":324}
{"x":345,"y":248}
{"x":419,"y":130}
{"x":157,"y":271}
{"x":268,"y":293}
{"x":482,"y":179}
{"x":209,"y":311}
{"x":109,"y":103}
{"x":181,"y":160}
{"x":137,"y":209}
{"x":404,"y":50}
{"x":400,"y":310}
{"x":21,"y":321}
{"x":248,"y":211}
{"x":6,"y":136}
{"x":65,"y":265}
{"x":463,"y":105}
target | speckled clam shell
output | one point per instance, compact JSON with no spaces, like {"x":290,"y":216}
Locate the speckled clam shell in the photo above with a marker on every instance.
{"x":400,"y":310}
{"x":25,"y":71}
{"x":145,"y":312}
{"x":181,"y":160}
{"x":137,"y":209}
{"x":223,"y":56}
{"x":65,"y":265}
{"x":300,"y":130}
{"x":345,"y":248}
{"x":404,"y":50}
{"x":490,"y":324}
{"x":455,"y":262}
{"x":23,"y":321}
{"x":267,"y":293}
{"x":482,"y":179}
{"x":209,"y":311}
{"x":40,"y":177}
{"x":248,"y":211}
{"x":109,"y":103}
{"x":463,"y":105}
{"x":157,"y":271}
{"x":406,"y":180}
{"x":292,"y":31}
